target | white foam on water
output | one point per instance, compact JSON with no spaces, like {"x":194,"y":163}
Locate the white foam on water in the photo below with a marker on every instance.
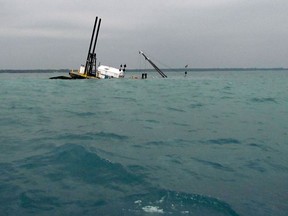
{"x":138,"y":202}
{"x":153,"y":209}
{"x":161,"y":200}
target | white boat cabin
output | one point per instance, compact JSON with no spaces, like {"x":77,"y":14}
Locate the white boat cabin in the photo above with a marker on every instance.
{"x":106,"y":72}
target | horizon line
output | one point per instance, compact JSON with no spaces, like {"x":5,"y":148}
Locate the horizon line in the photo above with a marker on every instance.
{"x":166,"y":69}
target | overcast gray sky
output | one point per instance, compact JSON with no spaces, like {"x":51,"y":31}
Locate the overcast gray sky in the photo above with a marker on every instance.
{"x":202,"y":33}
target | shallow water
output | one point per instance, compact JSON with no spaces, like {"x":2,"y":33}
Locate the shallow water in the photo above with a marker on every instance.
{"x":211,"y":143}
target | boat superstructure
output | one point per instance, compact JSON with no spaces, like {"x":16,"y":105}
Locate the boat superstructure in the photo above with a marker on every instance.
{"x":90,"y":70}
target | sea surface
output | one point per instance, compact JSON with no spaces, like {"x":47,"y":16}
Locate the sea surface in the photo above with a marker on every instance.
{"x":211,"y":143}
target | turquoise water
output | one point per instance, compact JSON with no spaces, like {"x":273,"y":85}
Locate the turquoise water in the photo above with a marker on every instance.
{"x":213,"y":143}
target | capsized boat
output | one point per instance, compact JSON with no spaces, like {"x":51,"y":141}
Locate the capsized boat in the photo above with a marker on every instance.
{"x":102,"y":72}
{"x":89,"y":70}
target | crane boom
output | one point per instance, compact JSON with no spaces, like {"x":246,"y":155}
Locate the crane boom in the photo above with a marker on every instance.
{"x":153,"y":65}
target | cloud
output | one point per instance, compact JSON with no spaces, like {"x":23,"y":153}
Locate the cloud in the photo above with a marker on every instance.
{"x":201,"y":33}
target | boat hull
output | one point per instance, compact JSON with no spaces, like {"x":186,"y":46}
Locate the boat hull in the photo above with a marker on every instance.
{"x":75,"y":75}
{"x":103,"y":72}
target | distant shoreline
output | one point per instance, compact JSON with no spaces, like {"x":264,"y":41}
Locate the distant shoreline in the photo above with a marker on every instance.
{"x":142,"y":70}
{"x":35,"y":71}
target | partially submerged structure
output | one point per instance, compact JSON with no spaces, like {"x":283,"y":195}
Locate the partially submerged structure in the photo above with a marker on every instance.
{"x":163,"y":75}
{"x":90,"y":70}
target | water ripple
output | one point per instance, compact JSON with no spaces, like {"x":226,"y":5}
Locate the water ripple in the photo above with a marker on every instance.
{"x":71,"y":177}
{"x":263,"y":100}
{"x":223,"y":141}
{"x":213,"y":165}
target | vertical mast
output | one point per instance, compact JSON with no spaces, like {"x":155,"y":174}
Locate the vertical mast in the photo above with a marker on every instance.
{"x":93,"y":54}
{"x":91,"y":41}
{"x":98,"y":28}
{"x":91,"y":57}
